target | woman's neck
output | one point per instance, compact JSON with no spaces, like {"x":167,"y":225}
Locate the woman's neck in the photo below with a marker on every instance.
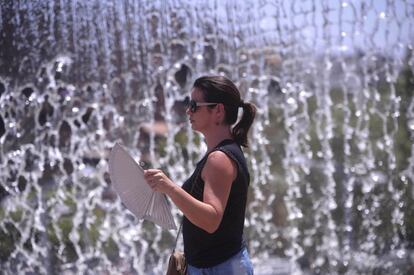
{"x":218,"y":135}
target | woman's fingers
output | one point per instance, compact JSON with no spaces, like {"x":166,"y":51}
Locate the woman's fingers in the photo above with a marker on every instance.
{"x":153,"y":184}
{"x":153,"y":177}
{"x":151,"y":171}
{"x":157,"y":180}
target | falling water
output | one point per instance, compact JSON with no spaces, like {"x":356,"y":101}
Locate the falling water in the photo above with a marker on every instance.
{"x":332,"y":154}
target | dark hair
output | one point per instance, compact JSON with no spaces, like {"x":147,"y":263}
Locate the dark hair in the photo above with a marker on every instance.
{"x":219,"y":89}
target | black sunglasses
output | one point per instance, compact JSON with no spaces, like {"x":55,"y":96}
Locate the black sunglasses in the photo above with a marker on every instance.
{"x":193,"y":105}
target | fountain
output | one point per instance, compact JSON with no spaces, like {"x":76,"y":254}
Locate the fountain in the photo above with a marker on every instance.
{"x":332,"y":158}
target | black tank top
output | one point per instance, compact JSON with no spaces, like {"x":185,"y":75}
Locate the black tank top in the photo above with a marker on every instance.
{"x":201,"y":248}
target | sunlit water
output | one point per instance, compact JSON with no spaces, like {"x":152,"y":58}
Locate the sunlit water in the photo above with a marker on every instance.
{"x":331,"y":154}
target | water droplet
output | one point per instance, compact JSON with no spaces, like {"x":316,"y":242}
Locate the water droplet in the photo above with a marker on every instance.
{"x":291,"y":101}
{"x":366,"y":188}
{"x":382,"y":15}
{"x":59,"y":67}
{"x":362,"y":146}
{"x":319,"y":261}
{"x":307,"y":241}
{"x":397,"y":99}
{"x":329,"y":65}
{"x":359,"y":169}
{"x":388,"y":141}
{"x":378,"y":177}
{"x":380,"y":145}
{"x":401,"y":253}
{"x":304,"y":94}
{"x":411,"y":124}
{"x":344,"y":4}
{"x":75,"y":109}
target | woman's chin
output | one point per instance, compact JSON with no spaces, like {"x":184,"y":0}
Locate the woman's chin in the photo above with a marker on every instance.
{"x":195,"y":128}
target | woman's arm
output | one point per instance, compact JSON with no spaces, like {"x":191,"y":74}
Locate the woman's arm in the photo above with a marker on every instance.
{"x":218,"y":174}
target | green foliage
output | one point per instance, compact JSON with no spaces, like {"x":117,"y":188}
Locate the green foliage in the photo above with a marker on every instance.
{"x":161,"y":142}
{"x":408,"y":209}
{"x":9,"y":236}
{"x":16,"y":215}
{"x":375,"y":127}
{"x":403,"y":139}
{"x":65,"y":224}
{"x":111,"y":250}
{"x":181,"y":138}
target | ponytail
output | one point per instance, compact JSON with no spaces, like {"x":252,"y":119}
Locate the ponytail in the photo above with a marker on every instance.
{"x":241,"y":129}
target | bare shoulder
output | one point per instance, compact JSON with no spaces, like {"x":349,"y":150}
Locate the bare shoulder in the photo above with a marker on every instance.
{"x":218,"y":158}
{"x":220,"y":164}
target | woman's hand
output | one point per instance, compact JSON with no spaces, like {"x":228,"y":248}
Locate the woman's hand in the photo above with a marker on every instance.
{"x":158,"y":181}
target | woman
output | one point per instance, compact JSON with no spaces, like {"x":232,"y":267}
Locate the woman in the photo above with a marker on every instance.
{"x":214,"y":209}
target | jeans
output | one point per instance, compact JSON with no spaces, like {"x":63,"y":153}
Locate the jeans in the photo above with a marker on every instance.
{"x":239,"y":264}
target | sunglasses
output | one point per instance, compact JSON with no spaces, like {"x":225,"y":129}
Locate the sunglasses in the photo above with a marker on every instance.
{"x":193,"y":105}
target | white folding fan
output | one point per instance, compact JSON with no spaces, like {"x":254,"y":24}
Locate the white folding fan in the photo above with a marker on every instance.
{"x":128,"y":181}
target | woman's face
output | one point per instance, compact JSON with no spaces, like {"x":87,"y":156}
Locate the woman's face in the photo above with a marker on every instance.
{"x":202,"y":119}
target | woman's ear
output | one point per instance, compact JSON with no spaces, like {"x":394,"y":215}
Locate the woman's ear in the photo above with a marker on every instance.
{"x":221,"y":112}
{"x":219,"y":107}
